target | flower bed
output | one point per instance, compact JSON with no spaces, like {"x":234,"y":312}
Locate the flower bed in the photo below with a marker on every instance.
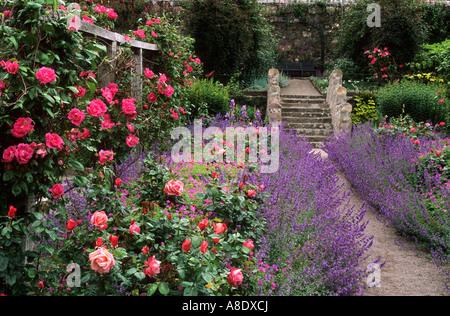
{"x":400,"y":169}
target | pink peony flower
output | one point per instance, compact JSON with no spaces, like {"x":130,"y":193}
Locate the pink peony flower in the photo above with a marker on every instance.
{"x":54,"y":141}
{"x":23,"y":153}
{"x":102,"y":260}
{"x":46,"y":75}
{"x":57,"y":191}
{"x":22,"y":127}
{"x":76,"y":116}
{"x":132,"y":140}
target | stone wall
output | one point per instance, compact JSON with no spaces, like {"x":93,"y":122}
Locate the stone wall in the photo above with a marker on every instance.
{"x":339,"y":107}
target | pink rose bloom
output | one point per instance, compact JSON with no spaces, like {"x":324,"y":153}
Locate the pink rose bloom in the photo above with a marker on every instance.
{"x":249,"y":244}
{"x":111,"y":14}
{"x":3,"y":86}
{"x":7,"y":14}
{"x":107,"y":123}
{"x":87,"y":19}
{"x":22,"y":127}
{"x":54,"y":141}
{"x":139,"y":33}
{"x":152,"y":267}
{"x":102,"y":260}
{"x":9,"y":154}
{"x":174,"y":187}
{"x":235,"y":278}
{"x":134,"y":228}
{"x":41,"y":151}
{"x":76,"y":116}
{"x":57,"y":191}
{"x":153,"y":33}
{"x":174,"y":114}
{"x":46,"y":75}
{"x":219,"y":228}
{"x":130,"y":127}
{"x":99,"y":219}
{"x":104,"y":156}
{"x":73,"y":23}
{"x":168,"y":92}
{"x":11,"y":67}
{"x":128,"y":106}
{"x":441,"y":101}
{"x":108,"y":94}
{"x":162,"y":78}
{"x":251,"y":193}
{"x":24,"y":153}
{"x":132,"y":140}
{"x":81,"y":92}
{"x":152,"y":97}
{"x":99,"y":9}
{"x":96,"y":108}
{"x":148,"y":73}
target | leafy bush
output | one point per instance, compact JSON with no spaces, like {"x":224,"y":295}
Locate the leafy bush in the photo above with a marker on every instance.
{"x":208,"y":96}
{"x":231,"y":37}
{"x":416,"y":99}
{"x":364,"y":108}
{"x":433,"y":58}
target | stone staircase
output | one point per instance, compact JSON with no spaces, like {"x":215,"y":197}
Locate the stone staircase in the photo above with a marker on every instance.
{"x":309,"y":115}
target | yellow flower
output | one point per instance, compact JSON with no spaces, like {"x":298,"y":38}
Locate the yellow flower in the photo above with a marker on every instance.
{"x":209,"y":285}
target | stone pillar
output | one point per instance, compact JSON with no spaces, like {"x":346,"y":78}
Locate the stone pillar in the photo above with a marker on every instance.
{"x":106,"y":70}
{"x":339,"y":107}
{"x":273,"y":97}
{"x":136,"y":72}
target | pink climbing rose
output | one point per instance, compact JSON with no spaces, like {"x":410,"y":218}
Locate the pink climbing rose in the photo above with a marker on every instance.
{"x":76,"y":116}
{"x":57,"y":191}
{"x":132,"y":140}
{"x":105,"y":156}
{"x":54,"y":141}
{"x":24,"y":153}
{"x":46,"y":75}
{"x":22,"y":127}
{"x":96,"y":108}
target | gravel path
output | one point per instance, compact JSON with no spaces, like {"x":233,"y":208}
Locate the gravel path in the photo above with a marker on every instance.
{"x":407,"y":271}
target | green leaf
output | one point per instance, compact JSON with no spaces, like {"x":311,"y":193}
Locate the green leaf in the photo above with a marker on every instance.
{"x":16,"y":189}
{"x":140,"y":275}
{"x":80,"y":181}
{"x":151,"y":289}
{"x":8,"y":175}
{"x":190,"y":291}
{"x":3,"y":263}
{"x":76,"y":165}
{"x":163,"y":288}
{"x":131,"y":271}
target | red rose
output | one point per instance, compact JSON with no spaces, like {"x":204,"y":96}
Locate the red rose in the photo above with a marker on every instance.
{"x":114,"y":240}
{"x":134,"y":229}
{"x":235,"y":278}
{"x":46,"y":75}
{"x":71,"y":224}
{"x":119,"y":182}
{"x":186,"y":245}
{"x":203,"y":224}
{"x":9,"y":154}
{"x":204,"y":246}
{"x":152,"y":97}
{"x":12,"y":211}
{"x":57,"y":191}
{"x":249,"y":244}
{"x":152,"y":267}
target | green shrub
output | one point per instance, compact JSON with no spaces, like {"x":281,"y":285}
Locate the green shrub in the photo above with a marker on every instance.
{"x":364,"y":108}
{"x":417,"y":99}
{"x":433,"y":58}
{"x":208,"y":97}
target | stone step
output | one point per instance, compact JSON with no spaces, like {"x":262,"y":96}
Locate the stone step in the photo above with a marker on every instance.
{"x":317,"y":144}
{"x":303,"y":97}
{"x":314,"y":132}
{"x":312,"y":119}
{"x":327,"y":126}
{"x":298,"y":110}
{"x":305,"y":115}
{"x":319,"y":105}
{"x":302,"y":100}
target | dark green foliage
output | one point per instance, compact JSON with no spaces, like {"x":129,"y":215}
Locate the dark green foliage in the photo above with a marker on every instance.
{"x":231,"y":36}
